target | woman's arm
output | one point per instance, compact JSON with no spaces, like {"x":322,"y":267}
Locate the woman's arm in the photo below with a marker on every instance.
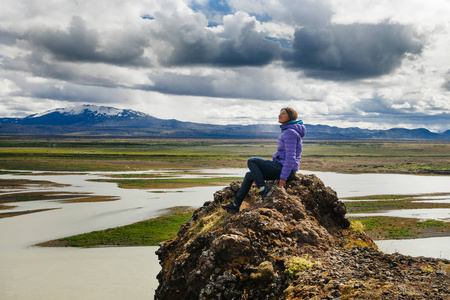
{"x":290,"y":147}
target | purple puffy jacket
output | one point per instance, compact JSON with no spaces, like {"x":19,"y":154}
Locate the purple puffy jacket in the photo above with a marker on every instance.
{"x":290,"y":147}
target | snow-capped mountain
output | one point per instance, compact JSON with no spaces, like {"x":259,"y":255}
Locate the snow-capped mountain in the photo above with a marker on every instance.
{"x":84,"y":115}
{"x":93,"y":120}
{"x":92,"y":109}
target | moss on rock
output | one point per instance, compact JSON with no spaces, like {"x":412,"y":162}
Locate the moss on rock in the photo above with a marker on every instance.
{"x":247,"y":255}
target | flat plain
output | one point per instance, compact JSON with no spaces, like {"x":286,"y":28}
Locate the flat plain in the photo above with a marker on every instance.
{"x":94,"y":154}
{"x":77,"y":154}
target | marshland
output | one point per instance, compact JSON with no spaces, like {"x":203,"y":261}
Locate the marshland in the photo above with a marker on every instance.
{"x":86,"y":192}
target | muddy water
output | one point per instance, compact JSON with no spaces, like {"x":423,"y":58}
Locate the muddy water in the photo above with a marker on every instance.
{"x":439,"y":214}
{"x":68,"y":273}
{"x":432,"y":247}
{"x":29,"y":272}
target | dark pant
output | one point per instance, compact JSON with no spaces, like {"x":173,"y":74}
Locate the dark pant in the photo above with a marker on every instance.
{"x":260,"y":170}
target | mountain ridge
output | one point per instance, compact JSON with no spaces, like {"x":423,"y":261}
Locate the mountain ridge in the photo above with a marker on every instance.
{"x":93,"y":120}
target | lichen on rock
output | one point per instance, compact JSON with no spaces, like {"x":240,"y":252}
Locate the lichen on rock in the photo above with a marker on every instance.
{"x":218,"y":255}
{"x":265,"y":272}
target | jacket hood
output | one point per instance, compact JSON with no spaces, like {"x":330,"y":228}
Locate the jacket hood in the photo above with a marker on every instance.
{"x":297,"y":125}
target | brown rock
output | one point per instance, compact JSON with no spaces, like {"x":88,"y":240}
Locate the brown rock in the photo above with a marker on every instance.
{"x":250,"y":255}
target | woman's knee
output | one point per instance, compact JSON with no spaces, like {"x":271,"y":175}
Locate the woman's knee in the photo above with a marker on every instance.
{"x":248,"y":176}
{"x":254,"y":161}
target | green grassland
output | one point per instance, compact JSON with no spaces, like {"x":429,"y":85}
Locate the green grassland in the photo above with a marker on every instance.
{"x":394,"y":227}
{"x":77,"y":154}
{"x":387,"y":202}
{"x":169,"y":183}
{"x":380,"y":228}
{"x":152,"y":232}
{"x":146,"y":233}
{"x":186,"y":155}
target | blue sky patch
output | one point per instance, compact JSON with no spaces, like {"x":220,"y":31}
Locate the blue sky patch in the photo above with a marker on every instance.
{"x":284,"y":42}
{"x":212,"y":8}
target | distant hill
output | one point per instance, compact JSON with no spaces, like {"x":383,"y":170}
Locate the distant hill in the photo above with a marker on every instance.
{"x":92,"y":120}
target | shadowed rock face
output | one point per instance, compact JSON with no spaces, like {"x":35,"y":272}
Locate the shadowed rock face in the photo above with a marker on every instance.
{"x":294,"y":244}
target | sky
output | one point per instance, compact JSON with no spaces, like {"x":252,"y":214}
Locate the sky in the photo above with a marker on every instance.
{"x":370,"y":64}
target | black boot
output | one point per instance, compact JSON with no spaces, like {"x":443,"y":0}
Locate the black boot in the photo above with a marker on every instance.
{"x":264,"y":191}
{"x":232,"y":208}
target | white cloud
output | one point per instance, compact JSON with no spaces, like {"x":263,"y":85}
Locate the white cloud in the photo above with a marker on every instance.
{"x":170,"y":64}
{"x":422,"y":13}
{"x":404,"y":105}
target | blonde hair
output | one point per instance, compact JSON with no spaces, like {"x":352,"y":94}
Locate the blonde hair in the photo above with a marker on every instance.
{"x":291,"y":113}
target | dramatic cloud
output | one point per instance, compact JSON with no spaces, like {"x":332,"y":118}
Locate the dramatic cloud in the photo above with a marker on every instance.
{"x":367,"y":63}
{"x":7,"y":38}
{"x":236,"y":43}
{"x":352,"y":51}
{"x":79,"y":43}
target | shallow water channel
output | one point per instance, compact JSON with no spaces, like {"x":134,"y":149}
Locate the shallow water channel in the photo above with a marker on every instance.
{"x":29,"y":272}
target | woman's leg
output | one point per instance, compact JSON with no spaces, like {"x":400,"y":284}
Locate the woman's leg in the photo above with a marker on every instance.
{"x":260,"y":170}
{"x":263,"y":169}
{"x":243,"y":190}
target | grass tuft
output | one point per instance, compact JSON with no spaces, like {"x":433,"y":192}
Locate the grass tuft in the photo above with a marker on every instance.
{"x":297,"y":265}
{"x":357,"y":226}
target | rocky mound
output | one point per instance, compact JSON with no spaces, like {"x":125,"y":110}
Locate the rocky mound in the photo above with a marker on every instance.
{"x":294,"y":244}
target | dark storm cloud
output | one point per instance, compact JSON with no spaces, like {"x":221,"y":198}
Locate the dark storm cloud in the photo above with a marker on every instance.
{"x":71,"y":92}
{"x":193,"y":45}
{"x":248,"y":48}
{"x":7,"y":38}
{"x":36,"y":65}
{"x":190,"y":44}
{"x":352,"y":51}
{"x":336,"y":52}
{"x":80,"y":43}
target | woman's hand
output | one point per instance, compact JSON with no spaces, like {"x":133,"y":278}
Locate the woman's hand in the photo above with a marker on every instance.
{"x":283,"y":183}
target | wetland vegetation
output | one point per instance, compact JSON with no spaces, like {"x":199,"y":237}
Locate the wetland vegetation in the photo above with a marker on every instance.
{"x":90,"y":154}
{"x":169,"y":183}
{"x":383,"y":227}
{"x":184,"y":156}
{"x":146,"y":233}
{"x":386,"y":202}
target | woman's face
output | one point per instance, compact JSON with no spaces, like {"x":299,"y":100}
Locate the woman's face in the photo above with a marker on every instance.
{"x":283,"y":117}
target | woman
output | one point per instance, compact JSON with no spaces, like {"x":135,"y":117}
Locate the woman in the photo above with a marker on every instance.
{"x":285,"y":162}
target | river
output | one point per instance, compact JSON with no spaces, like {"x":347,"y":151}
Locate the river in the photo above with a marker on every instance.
{"x":30,"y":272}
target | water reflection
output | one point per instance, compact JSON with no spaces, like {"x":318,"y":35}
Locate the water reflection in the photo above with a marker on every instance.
{"x":439,"y":214}
{"x":115,"y":273}
{"x":433,"y":199}
{"x":438,"y":247}
{"x":353,"y":185}
{"x":69,"y":273}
